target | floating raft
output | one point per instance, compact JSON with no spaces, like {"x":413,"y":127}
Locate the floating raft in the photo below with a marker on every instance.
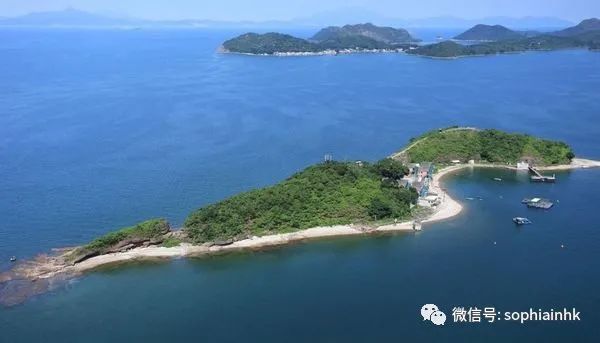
{"x":538,"y":203}
{"x":538,"y":177}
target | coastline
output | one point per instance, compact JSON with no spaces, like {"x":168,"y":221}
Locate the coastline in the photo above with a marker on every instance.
{"x":45,"y":268}
{"x":330,"y":52}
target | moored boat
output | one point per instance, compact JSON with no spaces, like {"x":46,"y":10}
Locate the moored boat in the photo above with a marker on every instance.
{"x":521,"y":221}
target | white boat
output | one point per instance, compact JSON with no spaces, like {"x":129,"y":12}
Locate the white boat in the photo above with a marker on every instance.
{"x":497,"y":179}
{"x":13,"y":259}
{"x":521,"y":221}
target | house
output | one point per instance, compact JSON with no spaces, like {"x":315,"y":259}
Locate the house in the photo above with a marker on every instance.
{"x":522,"y":165}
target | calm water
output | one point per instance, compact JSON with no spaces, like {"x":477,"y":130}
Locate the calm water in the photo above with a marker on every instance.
{"x":102,"y":129}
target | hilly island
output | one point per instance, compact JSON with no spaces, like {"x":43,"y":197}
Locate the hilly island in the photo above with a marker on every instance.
{"x":331,"y":198}
{"x":492,"y":39}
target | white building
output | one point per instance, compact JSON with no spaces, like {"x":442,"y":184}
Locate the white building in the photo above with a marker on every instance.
{"x":522,"y":165}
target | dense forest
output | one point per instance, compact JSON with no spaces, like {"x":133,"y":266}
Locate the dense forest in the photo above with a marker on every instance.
{"x":324,"y":194}
{"x":487,"y":145}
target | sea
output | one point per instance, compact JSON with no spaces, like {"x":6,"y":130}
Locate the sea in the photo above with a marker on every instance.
{"x":100,"y":129}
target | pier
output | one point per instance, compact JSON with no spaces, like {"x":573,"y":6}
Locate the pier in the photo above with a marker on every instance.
{"x":538,"y":177}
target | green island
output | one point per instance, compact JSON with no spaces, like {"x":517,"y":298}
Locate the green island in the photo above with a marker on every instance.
{"x":350,"y":38}
{"x":333,"y":193}
{"x":584,"y":35}
{"x":491,"y":40}
{"x":481,"y":32}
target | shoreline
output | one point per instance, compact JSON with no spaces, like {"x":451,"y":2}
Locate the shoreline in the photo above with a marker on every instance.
{"x":45,"y":268}
{"x":331,"y":52}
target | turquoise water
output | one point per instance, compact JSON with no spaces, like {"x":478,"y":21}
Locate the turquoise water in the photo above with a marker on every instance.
{"x":101,"y":129}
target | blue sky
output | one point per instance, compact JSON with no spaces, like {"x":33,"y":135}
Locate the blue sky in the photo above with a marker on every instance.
{"x":288,"y":9}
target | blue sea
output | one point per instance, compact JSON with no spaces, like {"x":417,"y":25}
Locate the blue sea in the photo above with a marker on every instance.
{"x":102,"y":129}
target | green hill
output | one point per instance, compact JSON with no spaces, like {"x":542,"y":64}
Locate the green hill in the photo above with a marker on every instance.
{"x":324,"y":194}
{"x":586,"y":26}
{"x":349,"y":37}
{"x":485,"y":145}
{"x":584,"y":35}
{"x":483,"y":32}
{"x":386,"y":35}
{"x":268,"y":43}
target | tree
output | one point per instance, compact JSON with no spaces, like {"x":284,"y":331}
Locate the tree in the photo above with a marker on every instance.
{"x":379,"y":209}
{"x":390,"y":168}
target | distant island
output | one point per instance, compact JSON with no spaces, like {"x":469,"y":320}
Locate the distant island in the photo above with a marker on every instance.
{"x":491,"y":39}
{"x":330,"y":40}
{"x":483,"y":32}
{"x":502,"y":40}
{"x":330,"y":198}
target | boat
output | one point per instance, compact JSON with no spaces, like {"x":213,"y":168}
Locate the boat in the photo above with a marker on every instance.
{"x":417,"y":226}
{"x":13,"y":259}
{"x":470,"y":198}
{"x":521,"y":221}
{"x":497,"y":179}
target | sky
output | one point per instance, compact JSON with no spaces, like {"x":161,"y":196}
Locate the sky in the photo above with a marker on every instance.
{"x":260,"y":10}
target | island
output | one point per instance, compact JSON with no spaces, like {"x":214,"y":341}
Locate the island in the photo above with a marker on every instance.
{"x":490,"y":40}
{"x":331,"y":40}
{"x":584,"y":35}
{"x":483,"y":32}
{"x":332,"y":198}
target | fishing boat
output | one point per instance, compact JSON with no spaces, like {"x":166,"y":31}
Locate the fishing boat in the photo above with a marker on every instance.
{"x":521,"y":221}
{"x":13,"y":259}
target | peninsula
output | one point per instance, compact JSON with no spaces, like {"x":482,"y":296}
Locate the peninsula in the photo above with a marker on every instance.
{"x":327,"y":199}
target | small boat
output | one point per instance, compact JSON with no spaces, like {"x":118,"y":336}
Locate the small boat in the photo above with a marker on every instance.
{"x":521,"y":221}
{"x":497,"y":179}
{"x":470,"y":198}
{"x":13,"y":259}
{"x":417,"y":226}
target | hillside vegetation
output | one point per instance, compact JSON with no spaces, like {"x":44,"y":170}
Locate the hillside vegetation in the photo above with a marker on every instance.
{"x":584,"y":35}
{"x":324,"y":194}
{"x":151,"y":231}
{"x":349,"y":37}
{"x":487,"y":145}
{"x":489,"y":33}
{"x":387,"y":35}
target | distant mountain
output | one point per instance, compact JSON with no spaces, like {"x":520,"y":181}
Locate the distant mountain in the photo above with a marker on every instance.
{"x":517,"y":23}
{"x":68,"y":17}
{"x":588,"y":25}
{"x":482,"y":32}
{"x":387,"y":35}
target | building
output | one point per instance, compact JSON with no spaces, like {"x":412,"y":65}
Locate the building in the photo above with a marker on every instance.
{"x":522,"y":165}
